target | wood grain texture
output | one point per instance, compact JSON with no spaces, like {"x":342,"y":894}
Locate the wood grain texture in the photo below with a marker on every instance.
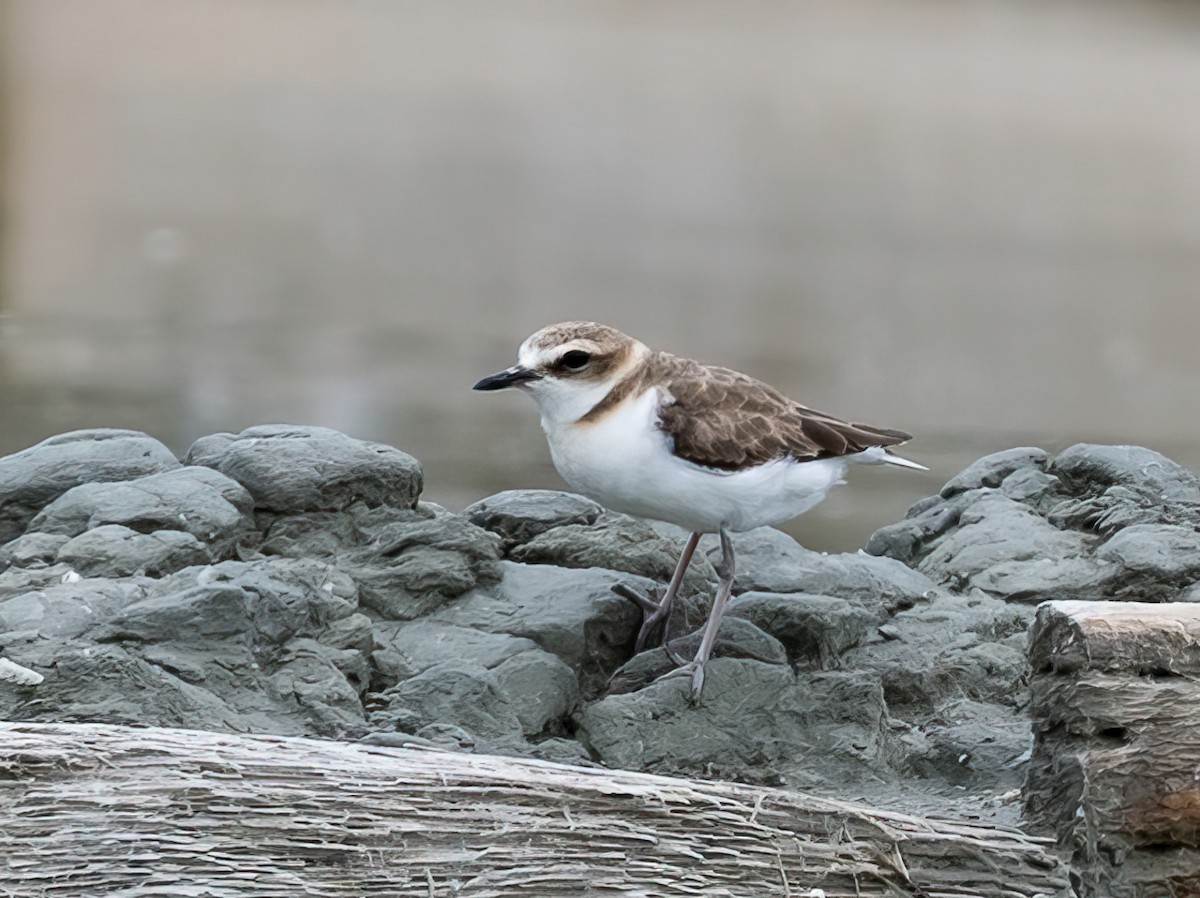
{"x":92,"y":809}
{"x":1116,"y":718}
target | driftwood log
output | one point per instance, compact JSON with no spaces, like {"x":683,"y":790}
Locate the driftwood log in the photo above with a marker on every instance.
{"x":1115,"y":771}
{"x":105,"y":810}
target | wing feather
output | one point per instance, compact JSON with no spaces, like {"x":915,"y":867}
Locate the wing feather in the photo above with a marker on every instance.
{"x":726,"y":420}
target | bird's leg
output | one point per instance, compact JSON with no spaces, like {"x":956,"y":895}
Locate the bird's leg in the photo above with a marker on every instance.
{"x":695,"y":667}
{"x":663,"y":611}
{"x":725,"y":571}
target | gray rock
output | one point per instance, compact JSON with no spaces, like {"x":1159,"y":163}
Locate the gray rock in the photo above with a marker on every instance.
{"x":108,"y":684}
{"x":542,"y":690}
{"x":32,"y":550}
{"x":236,"y":646}
{"x":571,"y":613}
{"x":318,"y":534}
{"x":1005,"y":548}
{"x":115,"y":551}
{"x":417,"y":564}
{"x":992,"y":470}
{"x":291,"y":469}
{"x":64,"y":612}
{"x":619,"y":543}
{"x":1155,"y":561}
{"x":16,"y":581}
{"x":559,"y":750}
{"x":459,"y":692}
{"x":405,"y":648}
{"x":1109,"y":487}
{"x":757,"y":723}
{"x":273,"y":601}
{"x":906,"y":541}
{"x":815,"y":630}
{"x":209,"y":506}
{"x":768,"y":560}
{"x":537,"y":686}
{"x":971,"y":747}
{"x":36,"y":476}
{"x":1095,"y":522}
{"x":517,"y":516}
{"x":947,"y":649}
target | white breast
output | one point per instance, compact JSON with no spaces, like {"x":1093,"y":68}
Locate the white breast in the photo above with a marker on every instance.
{"x":624,"y":462}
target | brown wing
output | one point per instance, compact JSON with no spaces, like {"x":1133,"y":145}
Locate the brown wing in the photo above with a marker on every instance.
{"x":726,"y":420}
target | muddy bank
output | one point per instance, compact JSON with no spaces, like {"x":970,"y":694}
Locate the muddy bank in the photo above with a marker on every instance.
{"x":289,"y":581}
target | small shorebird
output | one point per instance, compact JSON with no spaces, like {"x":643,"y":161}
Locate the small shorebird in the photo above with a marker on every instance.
{"x":711,"y":450}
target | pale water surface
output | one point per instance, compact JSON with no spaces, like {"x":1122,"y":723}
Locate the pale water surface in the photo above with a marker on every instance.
{"x":979,"y":222}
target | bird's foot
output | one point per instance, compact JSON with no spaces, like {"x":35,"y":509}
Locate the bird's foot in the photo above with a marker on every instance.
{"x":692,"y":669}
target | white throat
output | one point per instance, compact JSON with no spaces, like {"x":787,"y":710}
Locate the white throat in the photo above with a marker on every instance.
{"x":563,"y":403}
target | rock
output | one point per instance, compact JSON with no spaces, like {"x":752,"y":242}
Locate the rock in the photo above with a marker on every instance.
{"x":543,"y":690}
{"x":619,"y":543}
{"x":1109,"y":487}
{"x":16,"y":581}
{"x":11,"y":672}
{"x":1094,"y":522}
{"x":280,"y":598}
{"x":269,"y":646}
{"x":61,"y":613}
{"x":406,"y":648}
{"x":459,"y":692}
{"x":972,"y":747}
{"x":536,"y":686}
{"x":768,"y":560}
{"x":1005,"y":548}
{"x":200,"y":502}
{"x":108,"y":684}
{"x":36,"y":476}
{"x":571,"y":613}
{"x":32,"y":550}
{"x":757,"y":723}
{"x":407,"y":562}
{"x":517,"y":516}
{"x":290,"y":469}
{"x":416,"y":564}
{"x":992,"y":470}
{"x":1156,"y":562}
{"x":559,"y":750}
{"x":814,"y":630}
{"x":946,"y":649}
{"x":115,"y":551}
{"x":320,"y":534}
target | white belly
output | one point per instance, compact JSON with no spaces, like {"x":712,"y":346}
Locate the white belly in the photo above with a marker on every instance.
{"x":624,"y":462}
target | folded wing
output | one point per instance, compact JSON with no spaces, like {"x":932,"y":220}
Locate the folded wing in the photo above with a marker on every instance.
{"x":726,"y":420}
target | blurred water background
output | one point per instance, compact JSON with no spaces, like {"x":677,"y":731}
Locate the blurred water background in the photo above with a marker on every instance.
{"x":977,"y":221}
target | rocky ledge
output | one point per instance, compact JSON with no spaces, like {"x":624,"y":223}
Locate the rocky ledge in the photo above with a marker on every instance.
{"x":288,"y":580}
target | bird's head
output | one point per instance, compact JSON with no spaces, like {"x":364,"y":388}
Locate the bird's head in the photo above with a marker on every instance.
{"x":567,"y":368}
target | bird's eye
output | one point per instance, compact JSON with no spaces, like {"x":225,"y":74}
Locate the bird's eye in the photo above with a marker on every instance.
{"x":575,"y":359}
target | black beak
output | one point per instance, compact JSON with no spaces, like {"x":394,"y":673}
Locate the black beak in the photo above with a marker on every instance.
{"x":509,"y":377}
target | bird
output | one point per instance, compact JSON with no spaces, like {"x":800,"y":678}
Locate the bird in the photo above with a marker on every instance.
{"x":660,"y":436}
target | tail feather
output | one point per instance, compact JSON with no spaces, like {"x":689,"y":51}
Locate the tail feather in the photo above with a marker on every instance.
{"x":878,"y":455}
{"x":889,"y":459}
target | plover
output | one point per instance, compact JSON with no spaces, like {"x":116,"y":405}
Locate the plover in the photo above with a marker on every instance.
{"x":711,"y":450}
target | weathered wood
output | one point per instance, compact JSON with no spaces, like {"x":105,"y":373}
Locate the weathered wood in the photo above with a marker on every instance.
{"x":1161,"y":638}
{"x":93,"y":809}
{"x":1116,"y":722}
